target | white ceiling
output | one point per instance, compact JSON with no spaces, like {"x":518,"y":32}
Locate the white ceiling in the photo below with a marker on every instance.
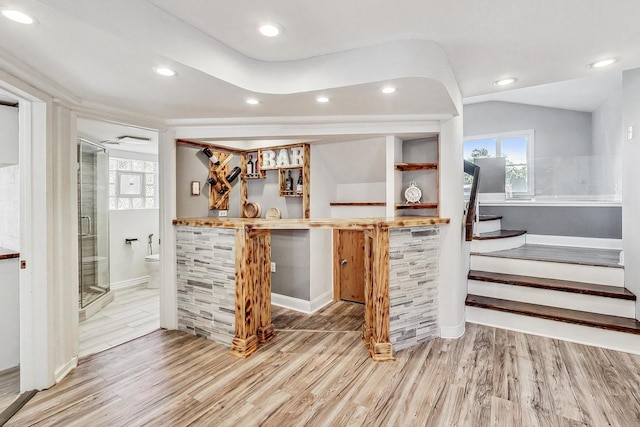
{"x":108,"y":133}
{"x":103,"y":52}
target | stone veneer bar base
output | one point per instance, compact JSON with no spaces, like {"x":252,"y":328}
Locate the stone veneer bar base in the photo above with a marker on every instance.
{"x":206,"y":282}
{"x":413,"y":285}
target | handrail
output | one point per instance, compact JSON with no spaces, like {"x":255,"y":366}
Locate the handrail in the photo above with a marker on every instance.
{"x":473,"y":170}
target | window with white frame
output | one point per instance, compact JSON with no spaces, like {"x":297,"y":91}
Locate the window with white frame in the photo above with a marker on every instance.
{"x":132,"y":184}
{"x":516,"y":148}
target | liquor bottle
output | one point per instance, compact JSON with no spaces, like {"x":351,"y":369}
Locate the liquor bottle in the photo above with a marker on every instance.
{"x":250,"y":168}
{"x":219,"y":186}
{"x":288,"y":184}
{"x":299,"y":185}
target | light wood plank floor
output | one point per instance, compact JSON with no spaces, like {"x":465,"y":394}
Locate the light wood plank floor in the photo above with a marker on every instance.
{"x":9,"y":387}
{"x":489,"y":377}
{"x":133,"y":313}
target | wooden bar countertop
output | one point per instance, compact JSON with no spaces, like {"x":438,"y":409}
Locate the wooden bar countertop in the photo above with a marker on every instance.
{"x":8,"y":253}
{"x":303,"y":224}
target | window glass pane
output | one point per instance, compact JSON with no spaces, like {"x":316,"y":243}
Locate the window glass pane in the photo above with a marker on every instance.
{"x":149,"y":167}
{"x":113,"y":164}
{"x":151,"y":191}
{"x":514,"y":149}
{"x":112,"y":190}
{"x":479,"y":148}
{"x":517,"y":178}
{"x":138,"y":203}
{"x":112,"y":203}
{"x":149,"y":203}
{"x":124,"y":203}
{"x":124,"y":165}
{"x":130,"y":184}
{"x":149,"y":179}
{"x":137,"y":166}
{"x":113,"y":177}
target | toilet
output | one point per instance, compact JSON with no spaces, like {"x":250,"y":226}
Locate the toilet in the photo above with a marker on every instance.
{"x":153,"y":267}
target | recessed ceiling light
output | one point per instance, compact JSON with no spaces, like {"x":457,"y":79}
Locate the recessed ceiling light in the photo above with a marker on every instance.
{"x":270,"y":29}
{"x":164,"y":71}
{"x":322,"y":99}
{"x":388,"y":89}
{"x":603,"y":63}
{"x":17,"y":16}
{"x":252,"y":101}
{"x":504,"y":82}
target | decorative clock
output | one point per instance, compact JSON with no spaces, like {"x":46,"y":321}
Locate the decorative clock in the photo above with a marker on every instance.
{"x":413,"y":194}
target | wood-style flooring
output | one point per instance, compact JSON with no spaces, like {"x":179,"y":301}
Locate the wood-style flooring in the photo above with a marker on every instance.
{"x":488,"y":377}
{"x":9,"y":387}
{"x":134,"y":312}
{"x":574,"y":255}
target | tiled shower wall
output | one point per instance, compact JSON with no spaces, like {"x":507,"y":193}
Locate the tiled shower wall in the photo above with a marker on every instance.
{"x":10,"y":207}
{"x":413,"y":285}
{"x":206,"y":282}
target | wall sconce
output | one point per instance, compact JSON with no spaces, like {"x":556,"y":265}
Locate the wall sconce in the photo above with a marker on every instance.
{"x":195,"y":188}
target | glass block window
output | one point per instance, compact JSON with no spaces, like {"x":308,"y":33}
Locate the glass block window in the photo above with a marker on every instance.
{"x":133,"y":184}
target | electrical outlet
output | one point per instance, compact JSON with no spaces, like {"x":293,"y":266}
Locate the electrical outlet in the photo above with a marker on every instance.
{"x":222,"y":213}
{"x":273,"y":267}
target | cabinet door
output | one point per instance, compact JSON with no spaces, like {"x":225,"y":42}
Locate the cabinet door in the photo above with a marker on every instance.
{"x":348,"y":258}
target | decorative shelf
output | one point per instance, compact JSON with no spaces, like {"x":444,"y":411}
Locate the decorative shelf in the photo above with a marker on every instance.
{"x":255,"y":176}
{"x":294,"y":194}
{"x":405,"y":167}
{"x":432,"y":205}
{"x":357,"y":204}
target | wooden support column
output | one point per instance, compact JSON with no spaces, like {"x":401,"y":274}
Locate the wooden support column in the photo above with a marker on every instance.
{"x":367,"y":327}
{"x":245,"y":341}
{"x":266,"y":330}
{"x":380,"y":346}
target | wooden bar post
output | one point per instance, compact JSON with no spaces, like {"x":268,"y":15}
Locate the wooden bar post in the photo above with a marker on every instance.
{"x":367,"y":327}
{"x":245,"y":341}
{"x":266,"y":330}
{"x":380,"y":346}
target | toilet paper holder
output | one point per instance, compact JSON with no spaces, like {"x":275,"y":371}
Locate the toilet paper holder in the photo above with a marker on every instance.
{"x":129,"y":241}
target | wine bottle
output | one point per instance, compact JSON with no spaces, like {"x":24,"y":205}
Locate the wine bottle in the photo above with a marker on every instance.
{"x":216,"y":185}
{"x":299,"y":185}
{"x":250,"y":168}
{"x":230,"y":178}
{"x":288,"y":184}
{"x":212,"y":158}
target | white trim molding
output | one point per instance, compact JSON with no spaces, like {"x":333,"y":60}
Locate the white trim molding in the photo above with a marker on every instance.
{"x":581,"y":242}
{"x":63,"y":370}
{"x":130,"y":283}
{"x":301,"y":305}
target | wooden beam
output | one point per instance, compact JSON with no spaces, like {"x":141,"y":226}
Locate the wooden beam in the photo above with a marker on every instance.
{"x":266,"y":329}
{"x":380,"y":346}
{"x":336,"y":265}
{"x":306,"y":182}
{"x":367,"y":327}
{"x":245,"y":341}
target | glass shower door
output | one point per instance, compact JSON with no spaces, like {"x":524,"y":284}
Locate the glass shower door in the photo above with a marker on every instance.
{"x":93,"y":222}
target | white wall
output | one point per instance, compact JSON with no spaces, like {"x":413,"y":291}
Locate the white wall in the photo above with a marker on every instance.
{"x":10,"y":309}
{"x":10,"y":207}
{"x":127,"y":264}
{"x":630,"y":193}
{"x":127,"y":261}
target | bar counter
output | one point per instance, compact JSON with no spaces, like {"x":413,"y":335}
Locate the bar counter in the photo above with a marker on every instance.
{"x":224,"y":279}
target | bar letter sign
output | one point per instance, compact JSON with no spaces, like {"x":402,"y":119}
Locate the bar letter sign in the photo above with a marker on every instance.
{"x":283,"y":158}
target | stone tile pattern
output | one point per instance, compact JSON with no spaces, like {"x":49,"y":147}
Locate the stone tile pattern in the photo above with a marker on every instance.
{"x":413,"y":285}
{"x":206,"y":282}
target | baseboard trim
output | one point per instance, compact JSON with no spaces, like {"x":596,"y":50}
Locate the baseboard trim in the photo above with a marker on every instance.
{"x":452,"y":331}
{"x":582,"y":242}
{"x":291,"y":303}
{"x":131,"y":283}
{"x":62,"y":371}
{"x":321,"y":301}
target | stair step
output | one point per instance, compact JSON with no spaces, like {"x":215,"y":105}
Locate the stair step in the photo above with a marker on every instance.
{"x":553,"y":284}
{"x":601,"y":321}
{"x":490,"y":217}
{"x":500,"y":234}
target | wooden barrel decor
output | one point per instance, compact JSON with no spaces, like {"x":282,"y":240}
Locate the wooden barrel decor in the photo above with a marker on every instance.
{"x":252,"y":210}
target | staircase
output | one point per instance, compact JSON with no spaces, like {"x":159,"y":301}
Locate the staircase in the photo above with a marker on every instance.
{"x":569,"y":293}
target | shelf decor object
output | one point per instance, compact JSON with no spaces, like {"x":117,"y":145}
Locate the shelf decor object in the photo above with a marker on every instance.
{"x":413,"y":194}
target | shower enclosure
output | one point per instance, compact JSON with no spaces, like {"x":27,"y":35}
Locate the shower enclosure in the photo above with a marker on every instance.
{"x":93,"y":224}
